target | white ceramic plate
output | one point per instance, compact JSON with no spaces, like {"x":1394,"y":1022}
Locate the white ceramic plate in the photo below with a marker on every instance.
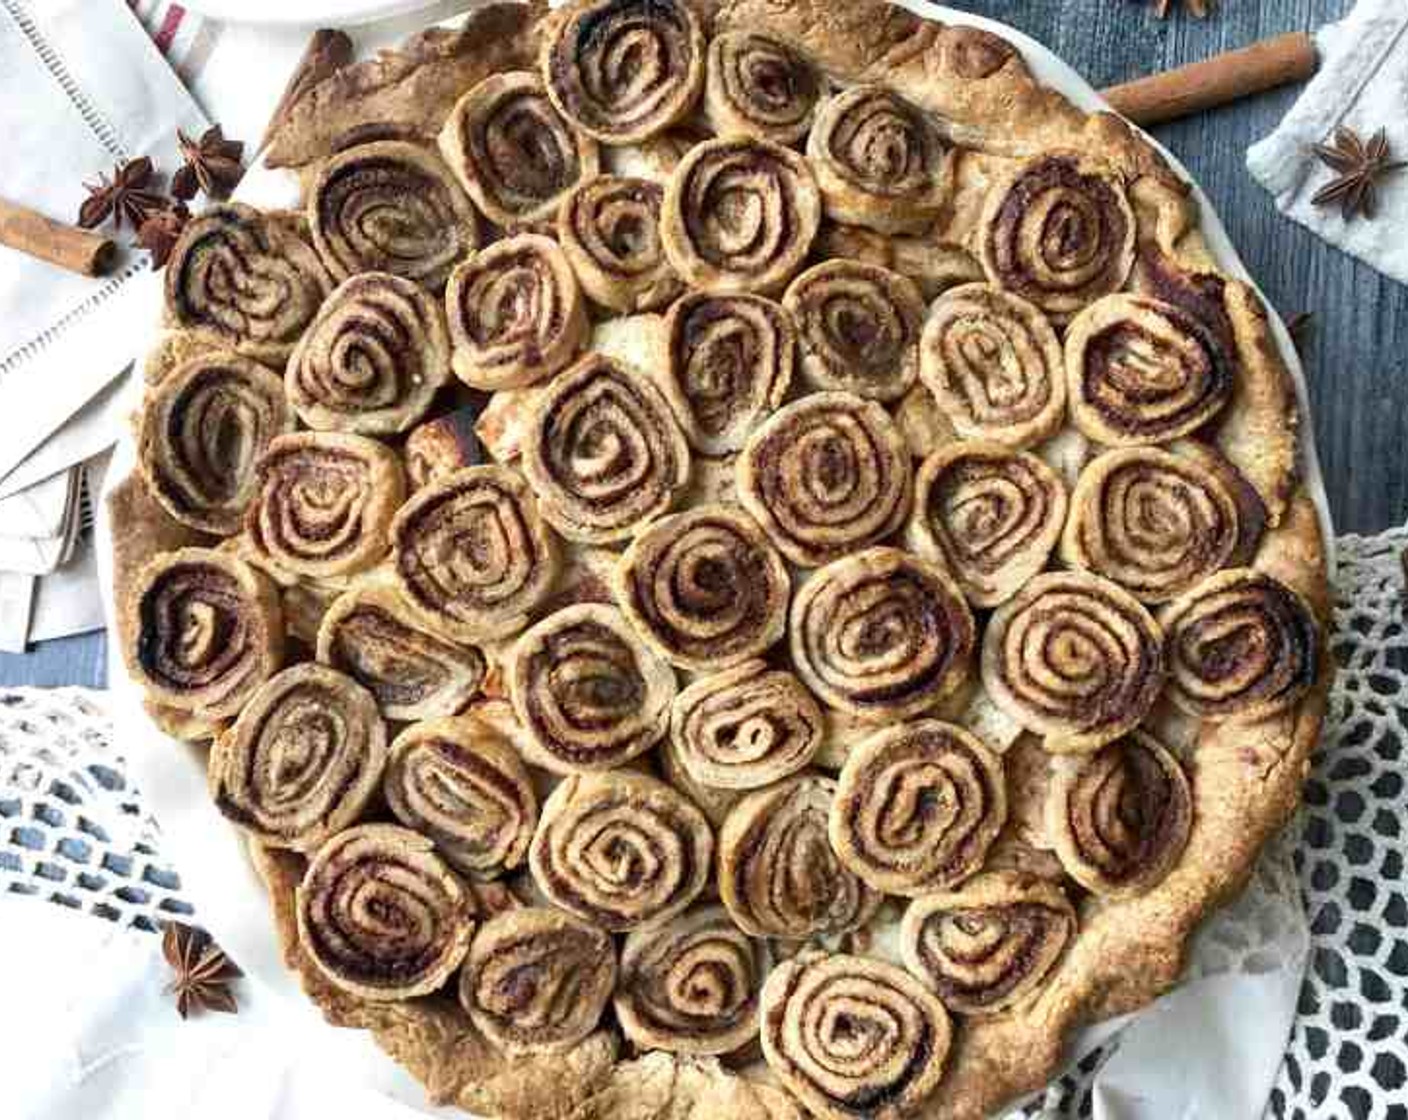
{"x":216,"y":876}
{"x":309,"y":12}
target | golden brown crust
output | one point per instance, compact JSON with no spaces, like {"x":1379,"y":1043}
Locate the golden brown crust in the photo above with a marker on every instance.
{"x":760,"y":86}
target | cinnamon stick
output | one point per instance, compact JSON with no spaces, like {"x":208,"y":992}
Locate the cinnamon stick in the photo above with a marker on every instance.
{"x":327,"y":52}
{"x":1218,"y":81}
{"x":69,"y":247}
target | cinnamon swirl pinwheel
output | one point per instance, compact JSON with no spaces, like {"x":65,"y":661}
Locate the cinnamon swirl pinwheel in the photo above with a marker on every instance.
{"x":537,"y":980}
{"x":201,"y":630}
{"x":704,"y":588}
{"x":381,"y":916}
{"x":1120,"y":817}
{"x":515,"y":313}
{"x":1154,"y":522}
{"x":1059,"y":232}
{"x":991,"y":944}
{"x":622,"y":850}
{"x":880,"y":160}
{"x":471,"y":554}
{"x":302,"y":760}
{"x":1140,"y":371}
{"x":324,"y":503}
{"x":370,"y":634}
{"x":740,"y":215}
{"x":760,"y":86}
{"x":604,"y":451}
{"x":778,"y":874}
{"x":852,"y":1036}
{"x":729,"y":360}
{"x":994,"y":365}
{"x":246,"y":278}
{"x":589,"y":694}
{"x":859,"y":327}
{"x":1074,"y":658}
{"x":917,"y":806}
{"x":1241,"y":645}
{"x":513,"y":151}
{"x":623,"y":70}
{"x":372,"y":360}
{"x":690,"y":985}
{"x":991,"y":515}
{"x":824,"y":476}
{"x":609,"y":227}
{"x":745,"y":727}
{"x":204,"y":428}
{"x":390,"y":207}
{"x":882,"y":635}
{"x":461,"y":783}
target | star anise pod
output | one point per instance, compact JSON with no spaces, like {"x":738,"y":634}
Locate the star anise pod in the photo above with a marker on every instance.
{"x":212,"y":165}
{"x":1198,"y":7}
{"x":1359,"y":167}
{"x":202,"y":971}
{"x":158,"y":234}
{"x":126,"y":195}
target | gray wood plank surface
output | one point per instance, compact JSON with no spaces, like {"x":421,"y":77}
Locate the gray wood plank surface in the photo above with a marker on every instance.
{"x":1357,"y":352}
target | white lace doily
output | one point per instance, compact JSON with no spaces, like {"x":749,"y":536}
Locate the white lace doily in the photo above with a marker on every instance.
{"x":75,"y":833}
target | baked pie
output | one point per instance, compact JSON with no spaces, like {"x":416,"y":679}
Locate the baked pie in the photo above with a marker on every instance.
{"x":734,"y":558}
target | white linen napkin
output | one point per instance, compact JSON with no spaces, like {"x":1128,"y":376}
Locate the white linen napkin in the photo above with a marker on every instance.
{"x":1361,"y":83}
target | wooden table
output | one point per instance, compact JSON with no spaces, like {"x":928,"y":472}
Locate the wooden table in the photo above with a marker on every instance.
{"x":1355,"y":352}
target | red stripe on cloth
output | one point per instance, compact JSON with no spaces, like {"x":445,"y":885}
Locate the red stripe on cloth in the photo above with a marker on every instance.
{"x":169,"y":26}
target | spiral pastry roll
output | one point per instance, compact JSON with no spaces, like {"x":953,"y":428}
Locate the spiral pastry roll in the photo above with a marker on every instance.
{"x":824,"y":476}
{"x":991,"y":515}
{"x":461,"y":783}
{"x":472,"y":555}
{"x":760,"y":86}
{"x":1155,"y":523}
{"x":245,"y":277}
{"x":609,"y":227}
{"x":1141,"y":371}
{"x":1059,"y":233}
{"x":1074,"y":658}
{"x":624,"y":70}
{"x":989,"y":945}
{"x":852,"y":1036}
{"x":729,"y":360}
{"x":880,"y":161}
{"x":704,"y":588}
{"x":859,"y":326}
{"x":202,"y":631}
{"x":882,"y":635}
{"x":745,"y":727}
{"x":325,"y":503}
{"x":587,"y":691}
{"x":917,"y":806}
{"x":381,"y":916}
{"x":373,"y":358}
{"x":604,"y":451}
{"x":204,"y":428}
{"x":691,"y":985}
{"x":1120,"y":817}
{"x":390,"y":207}
{"x":514,"y":153}
{"x":740,"y":215}
{"x":370,"y":634}
{"x":622,"y":850}
{"x":302,"y":760}
{"x":994,"y":365}
{"x":537,"y":979}
{"x":515,"y":313}
{"x":1241,"y":645}
{"x":778,"y":874}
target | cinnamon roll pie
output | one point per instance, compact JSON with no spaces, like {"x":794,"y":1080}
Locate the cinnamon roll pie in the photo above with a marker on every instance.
{"x":372,"y":360}
{"x":514,"y":152}
{"x":859,"y":327}
{"x":609,"y":227}
{"x":390,"y":207}
{"x":760,"y":86}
